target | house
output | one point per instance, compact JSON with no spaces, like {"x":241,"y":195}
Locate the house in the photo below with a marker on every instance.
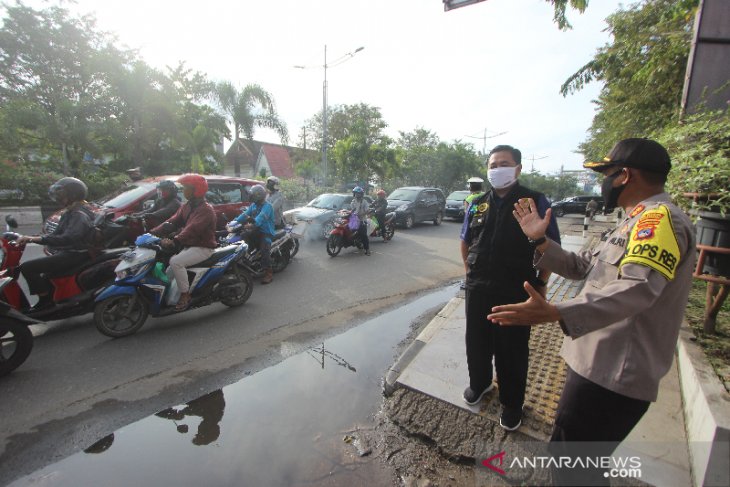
{"x":253,"y":156}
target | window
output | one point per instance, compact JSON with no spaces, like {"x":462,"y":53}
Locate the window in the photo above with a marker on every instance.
{"x":224,"y":193}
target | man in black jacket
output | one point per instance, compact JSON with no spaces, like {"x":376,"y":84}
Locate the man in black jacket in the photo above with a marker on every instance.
{"x":71,"y":240}
{"x":498,"y":260}
{"x":166,"y":204}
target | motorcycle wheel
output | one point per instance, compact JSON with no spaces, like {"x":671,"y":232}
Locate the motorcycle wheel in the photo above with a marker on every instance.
{"x":389,"y":231}
{"x":120,"y":316}
{"x":294,"y":249}
{"x":280,"y":260}
{"x":16,"y":342}
{"x":245,"y":283}
{"x":334,"y":245}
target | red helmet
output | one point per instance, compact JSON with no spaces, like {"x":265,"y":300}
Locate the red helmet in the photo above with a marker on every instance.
{"x":198,"y":182}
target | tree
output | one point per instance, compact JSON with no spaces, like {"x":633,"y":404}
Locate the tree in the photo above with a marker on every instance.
{"x":642,"y":69}
{"x":560,"y":7}
{"x":362,"y":154}
{"x":53,"y":67}
{"x":340,"y":122}
{"x":251,"y":108}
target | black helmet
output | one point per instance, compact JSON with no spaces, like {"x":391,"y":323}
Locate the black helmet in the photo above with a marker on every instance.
{"x":70,"y":189}
{"x":168,"y":186}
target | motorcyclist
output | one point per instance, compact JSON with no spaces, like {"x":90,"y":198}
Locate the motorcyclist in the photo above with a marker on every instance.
{"x":190,"y":232}
{"x":380,"y":207}
{"x":258,"y":220}
{"x":476,"y":186}
{"x":359,"y":207}
{"x":166,"y":204}
{"x":276,"y":199}
{"x":71,"y":240}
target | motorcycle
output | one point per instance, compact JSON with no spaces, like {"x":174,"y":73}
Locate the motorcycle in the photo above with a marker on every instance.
{"x":16,"y":339}
{"x":284,"y":245}
{"x":374,"y":228}
{"x":342,"y":235}
{"x":144,"y":288}
{"x":73,"y":292}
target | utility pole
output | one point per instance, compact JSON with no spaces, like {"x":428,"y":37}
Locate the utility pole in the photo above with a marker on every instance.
{"x":533,"y":159}
{"x":484,"y":138}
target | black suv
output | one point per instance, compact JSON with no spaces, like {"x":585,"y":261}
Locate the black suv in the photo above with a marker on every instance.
{"x":575,"y":204}
{"x":414,"y":204}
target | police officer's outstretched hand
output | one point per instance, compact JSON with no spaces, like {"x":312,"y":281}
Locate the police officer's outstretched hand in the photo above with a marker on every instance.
{"x":534,"y":311}
{"x":529,"y":219}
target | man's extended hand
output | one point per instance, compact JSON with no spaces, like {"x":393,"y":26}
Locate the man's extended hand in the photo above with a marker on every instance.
{"x":529,"y":219}
{"x":531,"y":312}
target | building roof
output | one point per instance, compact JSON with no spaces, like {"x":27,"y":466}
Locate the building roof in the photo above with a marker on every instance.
{"x":279,"y":160}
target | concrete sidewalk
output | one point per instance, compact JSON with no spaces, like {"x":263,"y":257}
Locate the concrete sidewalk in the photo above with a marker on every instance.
{"x":435,"y":366}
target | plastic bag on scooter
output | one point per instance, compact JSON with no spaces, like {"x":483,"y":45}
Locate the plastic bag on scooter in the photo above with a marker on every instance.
{"x":354,"y":222}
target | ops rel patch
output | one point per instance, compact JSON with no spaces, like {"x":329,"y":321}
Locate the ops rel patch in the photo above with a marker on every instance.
{"x":653,"y":243}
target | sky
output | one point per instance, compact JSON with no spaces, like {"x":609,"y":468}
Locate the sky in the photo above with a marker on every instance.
{"x":495,"y":66}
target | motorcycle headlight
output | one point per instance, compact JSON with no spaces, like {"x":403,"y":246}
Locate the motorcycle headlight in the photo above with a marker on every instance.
{"x":132,"y":271}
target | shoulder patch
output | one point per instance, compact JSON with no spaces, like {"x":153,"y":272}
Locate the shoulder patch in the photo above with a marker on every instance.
{"x":653,"y":242}
{"x":483,"y":207}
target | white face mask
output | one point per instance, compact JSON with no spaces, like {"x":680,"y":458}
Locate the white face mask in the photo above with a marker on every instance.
{"x":502,"y":177}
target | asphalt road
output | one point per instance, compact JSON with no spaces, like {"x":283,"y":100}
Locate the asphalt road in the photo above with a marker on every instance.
{"x":78,"y":385}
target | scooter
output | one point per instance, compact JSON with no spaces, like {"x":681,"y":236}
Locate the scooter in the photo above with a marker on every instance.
{"x":342,"y":235}
{"x":73,"y":292}
{"x":284,"y":245}
{"x":16,"y":339}
{"x":144,"y":288}
{"x":374,"y":228}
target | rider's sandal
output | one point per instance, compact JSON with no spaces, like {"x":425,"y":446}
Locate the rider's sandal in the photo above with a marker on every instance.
{"x":183,"y":302}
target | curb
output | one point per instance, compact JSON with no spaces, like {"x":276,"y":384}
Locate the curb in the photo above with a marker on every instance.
{"x":391,"y":378}
{"x":707,"y":413}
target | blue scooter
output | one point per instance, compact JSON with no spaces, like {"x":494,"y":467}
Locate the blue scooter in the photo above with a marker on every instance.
{"x":143,"y":288}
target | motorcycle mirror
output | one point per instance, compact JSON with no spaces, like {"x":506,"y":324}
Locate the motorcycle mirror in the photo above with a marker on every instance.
{"x":11,"y":221}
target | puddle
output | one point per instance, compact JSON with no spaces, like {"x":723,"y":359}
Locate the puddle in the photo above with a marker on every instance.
{"x":282,"y":426}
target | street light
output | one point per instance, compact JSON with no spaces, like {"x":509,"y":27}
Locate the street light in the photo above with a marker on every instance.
{"x":334,"y":63}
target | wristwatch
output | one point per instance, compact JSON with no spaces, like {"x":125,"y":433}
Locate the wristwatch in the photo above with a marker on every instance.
{"x":538,"y":241}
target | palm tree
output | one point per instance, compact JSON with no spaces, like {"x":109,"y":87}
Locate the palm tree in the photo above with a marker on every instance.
{"x":251,"y":108}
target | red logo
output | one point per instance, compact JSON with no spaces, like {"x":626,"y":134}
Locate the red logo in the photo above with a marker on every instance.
{"x":637,"y":210}
{"x":488,"y":463}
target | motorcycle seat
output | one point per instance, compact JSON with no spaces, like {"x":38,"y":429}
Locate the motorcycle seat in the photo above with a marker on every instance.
{"x":103,"y":256}
{"x":216,"y":256}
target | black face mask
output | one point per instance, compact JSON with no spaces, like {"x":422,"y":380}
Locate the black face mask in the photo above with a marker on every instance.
{"x":609,"y":193}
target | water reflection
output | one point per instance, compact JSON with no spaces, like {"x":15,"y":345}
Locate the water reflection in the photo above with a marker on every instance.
{"x":323,"y":352}
{"x":102,"y":445}
{"x":209,"y":407}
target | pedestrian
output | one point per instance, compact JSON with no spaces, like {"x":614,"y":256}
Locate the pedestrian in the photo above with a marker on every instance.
{"x":359,"y":206}
{"x":135,"y":174}
{"x":498,"y":259}
{"x":622,"y":329}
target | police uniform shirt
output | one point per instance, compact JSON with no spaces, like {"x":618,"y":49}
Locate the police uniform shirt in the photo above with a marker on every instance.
{"x":623,"y":327}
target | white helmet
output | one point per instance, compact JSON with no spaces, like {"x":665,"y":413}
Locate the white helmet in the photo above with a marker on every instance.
{"x":272,"y":183}
{"x":475,"y":180}
{"x":474,"y":184}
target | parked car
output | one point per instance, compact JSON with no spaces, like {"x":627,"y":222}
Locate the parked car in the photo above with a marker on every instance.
{"x":320,"y":213}
{"x":227,"y":195}
{"x":575,"y":204}
{"x":455,"y":205}
{"x":413,"y":204}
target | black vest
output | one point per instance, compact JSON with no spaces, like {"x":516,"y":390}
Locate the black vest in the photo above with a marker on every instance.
{"x":500,"y":255}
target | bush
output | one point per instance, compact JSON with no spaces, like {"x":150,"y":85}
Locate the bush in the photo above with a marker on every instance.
{"x":31,"y":178}
{"x":700,"y":150}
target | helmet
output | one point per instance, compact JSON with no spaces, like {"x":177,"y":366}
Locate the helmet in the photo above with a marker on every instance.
{"x":169,"y":187}
{"x":198,"y":182}
{"x":70,"y":189}
{"x":358,"y":190}
{"x":258,"y":193}
{"x":272,"y":182}
{"x":380,"y":192}
{"x":475,"y":180}
{"x":474,"y":184}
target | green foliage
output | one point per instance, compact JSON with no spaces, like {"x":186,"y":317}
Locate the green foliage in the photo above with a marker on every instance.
{"x":560,"y":7}
{"x":262,"y":173}
{"x":642,"y":70}
{"x":555,"y":188}
{"x":700,"y":151}
{"x":33,"y":179}
{"x":101,"y":182}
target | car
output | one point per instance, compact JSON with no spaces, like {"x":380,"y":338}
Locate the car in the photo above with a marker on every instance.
{"x":575,"y":204}
{"x":227,"y":195}
{"x":413,"y":204}
{"x":321,"y":212}
{"x":455,"y":205}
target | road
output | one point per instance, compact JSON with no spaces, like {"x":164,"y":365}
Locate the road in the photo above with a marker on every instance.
{"x":78,"y":385}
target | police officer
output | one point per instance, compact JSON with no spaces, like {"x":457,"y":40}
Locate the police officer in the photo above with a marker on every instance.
{"x":498,"y":259}
{"x":621,"y":331}
{"x":476,"y":186}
